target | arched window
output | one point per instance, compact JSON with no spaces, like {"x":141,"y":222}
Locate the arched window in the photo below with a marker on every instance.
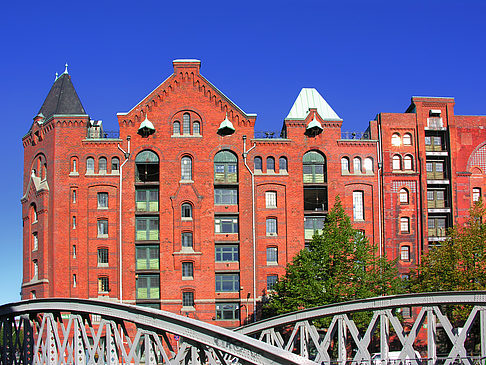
{"x":225,"y":167}
{"x":395,"y":140}
{"x":405,"y":253}
{"x":407,"y":139}
{"x":176,"y":128}
{"x":186,"y":124}
{"x":186,"y":210}
{"x":270,"y":164}
{"x":357,"y":165}
{"x":282,"y":164}
{"x":90,"y":165}
{"x":102,"y":165}
{"x":147,"y":163}
{"x":115,"y":165}
{"x":403,"y":196}
{"x":397,"y":162}
{"x":186,"y":168}
{"x":368,"y":165}
{"x":344,"y":165}
{"x":258,"y":163}
{"x":33,"y":213}
{"x":314,"y":168}
{"x":408,"y":162}
{"x":74,"y":164}
{"x":196,"y":128}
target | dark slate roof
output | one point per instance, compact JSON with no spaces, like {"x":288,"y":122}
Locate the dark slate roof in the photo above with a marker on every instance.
{"x":62,"y":98}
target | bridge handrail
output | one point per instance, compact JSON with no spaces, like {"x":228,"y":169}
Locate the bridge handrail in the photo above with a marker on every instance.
{"x":152,"y":319}
{"x":377,"y":303}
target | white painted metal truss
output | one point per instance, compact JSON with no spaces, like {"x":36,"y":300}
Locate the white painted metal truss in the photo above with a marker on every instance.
{"x":80,"y":331}
{"x":341,"y":342}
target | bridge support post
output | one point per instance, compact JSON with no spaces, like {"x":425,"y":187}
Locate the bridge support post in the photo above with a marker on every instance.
{"x":51,"y":347}
{"x":79,"y":350}
{"x":28,"y":343}
{"x":384,"y":336}
{"x":342,"y":355}
{"x":431,"y":337}
{"x":482,"y":326}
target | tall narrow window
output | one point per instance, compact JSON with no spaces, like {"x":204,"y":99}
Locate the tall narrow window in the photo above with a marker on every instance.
{"x":358,"y":205}
{"x":115,"y":165}
{"x":282,"y":164}
{"x":271,"y":281}
{"x":74,"y":222}
{"x":196,"y":128}
{"x":186,"y":124}
{"x":103,"y":284}
{"x":74,"y":280}
{"x":397,"y":162}
{"x":102,"y":165}
{"x":405,"y":225}
{"x":186,"y":168}
{"x":186,"y":239}
{"x":74,"y":196}
{"x":257,"y":163}
{"x":407,"y":139}
{"x":36,"y":269}
{"x":188,"y":299}
{"x":102,"y":257}
{"x":102,"y":200}
{"x":395,"y":140}
{"x":90,"y":165}
{"x":271,"y":224}
{"x":272,"y":255}
{"x":176,"y":128}
{"x":147,"y":257}
{"x":186,"y":211}
{"x":403,"y":194}
{"x":74,"y":251}
{"x":405,"y":253}
{"x":476,"y":194}
{"x":344,"y":165}
{"x":102,"y":228}
{"x":314,"y":168}
{"x":187,"y":270}
{"x":368,"y":165}
{"x":271,"y":199}
{"x":407,"y":162}
{"x":74,"y":167}
{"x":225,"y":167}
{"x":35,"y":241}
{"x":270,"y":164}
{"x":357,"y":165}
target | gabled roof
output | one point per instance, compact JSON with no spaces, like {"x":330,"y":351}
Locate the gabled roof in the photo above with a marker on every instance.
{"x":62,"y":98}
{"x":310,"y":98}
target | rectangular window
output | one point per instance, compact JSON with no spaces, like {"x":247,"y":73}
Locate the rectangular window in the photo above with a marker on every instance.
{"x":187,"y":270}
{"x":227,"y":311}
{"x":186,"y":239}
{"x":35,"y":241}
{"x":36,"y":269}
{"x":358,"y":205}
{"x":102,"y":200}
{"x":147,"y":228}
{"x":148,"y":286}
{"x":315,"y":198}
{"x":227,"y":253}
{"x":226,"y":224}
{"x":188,"y":299}
{"x":227,"y":283}
{"x":74,"y":281}
{"x":435,"y":199}
{"x":404,"y":225}
{"x":103,"y":284}
{"x":225,"y":196}
{"x":147,"y":257}
{"x":312,"y":225}
{"x":102,"y":257}
{"x":74,"y":196}
{"x":437,"y":226}
{"x":74,"y":251}
{"x":102,"y":228}
{"x":405,"y":253}
{"x":271,"y":226}
{"x":147,"y":200}
{"x":271,"y":199}
{"x":272,"y":255}
{"x":476,"y":194}
{"x":271,"y":281}
{"x":74,"y":222}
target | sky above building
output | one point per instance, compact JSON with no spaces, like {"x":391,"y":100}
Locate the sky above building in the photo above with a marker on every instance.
{"x":364,"y":57}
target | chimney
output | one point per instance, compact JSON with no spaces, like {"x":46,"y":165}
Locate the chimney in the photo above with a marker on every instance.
{"x":186,"y":65}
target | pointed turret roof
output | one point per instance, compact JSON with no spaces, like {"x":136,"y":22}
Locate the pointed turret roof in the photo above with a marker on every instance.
{"x":62,"y":98}
{"x":310,"y":98}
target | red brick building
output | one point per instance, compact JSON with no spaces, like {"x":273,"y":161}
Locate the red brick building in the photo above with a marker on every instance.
{"x":188,"y":210}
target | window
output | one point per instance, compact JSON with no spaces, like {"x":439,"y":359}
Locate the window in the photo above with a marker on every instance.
{"x":103,"y":284}
{"x":368,"y":165}
{"x":435,"y":170}
{"x":408,"y":162}
{"x":74,"y":281}
{"x":102,"y":165}
{"x":226,"y":196}
{"x":102,"y":257}
{"x":227,"y":311}
{"x":227,"y":253}
{"x":33,"y":294}
{"x":404,"y":225}
{"x":257,"y":163}
{"x":357,"y":165}
{"x":36,"y":269}
{"x":148,"y":286}
{"x":102,"y":200}
{"x":397,"y":162}
{"x":115,"y":164}
{"x":74,"y":251}
{"x":476,"y":194}
{"x":147,"y":228}
{"x":282,"y":164}
{"x":186,"y":211}
{"x":270,"y":164}
{"x":186,"y":239}
{"x":186,"y":124}
{"x":437,"y":226}
{"x":35,"y":241}
{"x":271,"y":281}
{"x":147,"y":200}
{"x":226,"y":224}
{"x":188,"y":299}
{"x":187,"y":270}
{"x":405,"y":253}
{"x":33,"y":213}
{"x":271,"y":226}
{"x":225,"y":167}
{"x":186,"y":168}
{"x":227,"y":283}
{"x":436,"y":198}
{"x":433,"y":143}
{"x":344,"y":165}
{"x":314,"y":168}
{"x":403,"y":196}
{"x":74,"y":196}
{"x":176,"y":128}
{"x":74,"y":222}
{"x":271,"y":199}
{"x":407,"y":139}
{"x":311,"y":225}
{"x":315,"y":198}
{"x":74,"y":165}
{"x":90,"y":165}
{"x":358,"y":205}
{"x":102,"y":228}
{"x":395,"y":140}
{"x":147,"y":164}
{"x":272,"y":255}
{"x":196,"y":128}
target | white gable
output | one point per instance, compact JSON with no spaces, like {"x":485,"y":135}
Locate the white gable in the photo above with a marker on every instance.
{"x":310,"y":98}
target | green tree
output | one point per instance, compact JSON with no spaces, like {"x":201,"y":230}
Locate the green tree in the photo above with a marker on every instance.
{"x":340,"y":265}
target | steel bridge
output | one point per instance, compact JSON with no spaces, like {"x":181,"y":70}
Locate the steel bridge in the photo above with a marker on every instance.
{"x":414,"y":329}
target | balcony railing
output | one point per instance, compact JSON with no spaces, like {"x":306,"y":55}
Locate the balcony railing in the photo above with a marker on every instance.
{"x":355,"y":135}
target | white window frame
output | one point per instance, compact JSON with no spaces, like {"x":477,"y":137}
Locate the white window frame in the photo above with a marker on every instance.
{"x":271,"y":199}
{"x":358,"y":205}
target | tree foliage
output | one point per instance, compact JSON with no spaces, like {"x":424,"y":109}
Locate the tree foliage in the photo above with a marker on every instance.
{"x":340,"y":265}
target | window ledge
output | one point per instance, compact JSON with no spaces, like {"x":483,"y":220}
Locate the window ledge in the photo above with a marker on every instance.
{"x":102,"y":265}
{"x":188,"y":278}
{"x":272,"y":263}
{"x":102,"y":208}
{"x":187,"y":252}
{"x":186,"y":219}
{"x":73,"y":173}
{"x":116,"y":172}
{"x":188,"y":309}
{"x":186,"y":136}
{"x":102,"y":236}
{"x":186,"y":182}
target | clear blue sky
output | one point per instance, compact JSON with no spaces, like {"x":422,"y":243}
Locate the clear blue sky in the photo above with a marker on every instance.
{"x":364,"y":57}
